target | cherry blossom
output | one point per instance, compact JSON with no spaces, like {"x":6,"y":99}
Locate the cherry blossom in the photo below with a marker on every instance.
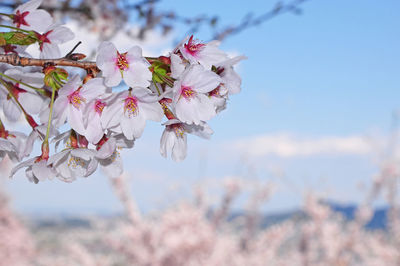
{"x":98,"y":115}
{"x":36,"y":170}
{"x":30,"y":100}
{"x":131,"y":66}
{"x":51,"y":38}
{"x":108,"y":154}
{"x":72,"y":163}
{"x":207,"y":54}
{"x":128,"y":112}
{"x":72,"y":98}
{"x":230,"y":79}
{"x":28,"y":17}
{"x":12,"y":144}
{"x":92,"y":119}
{"x":192,"y":104}
{"x":174,"y":138}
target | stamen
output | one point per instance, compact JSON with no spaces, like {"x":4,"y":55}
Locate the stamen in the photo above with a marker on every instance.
{"x":193,"y":47}
{"x":131,"y":106}
{"x":74,"y":162}
{"x":99,"y":106}
{"x":187,"y":93}
{"x":178,"y":129}
{"x":76,"y":99}
{"x":122,"y":62}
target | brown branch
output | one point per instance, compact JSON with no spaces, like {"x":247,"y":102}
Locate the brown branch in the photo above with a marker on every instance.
{"x":15,"y":60}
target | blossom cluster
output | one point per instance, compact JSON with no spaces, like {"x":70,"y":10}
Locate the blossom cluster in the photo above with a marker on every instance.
{"x":107,"y":109}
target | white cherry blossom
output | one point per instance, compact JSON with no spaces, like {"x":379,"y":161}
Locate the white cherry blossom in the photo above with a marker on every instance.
{"x":72,"y":163}
{"x":53,"y":36}
{"x":230,"y":79}
{"x":29,"y":99}
{"x":28,"y":17}
{"x":130,"y":66}
{"x":128,"y":112}
{"x":72,"y":98}
{"x":206,"y":54}
{"x":36,"y":170}
{"x":92,"y":118}
{"x":108,"y":155}
{"x":192,"y":104}
{"x":174,"y":138}
{"x":12,"y":144}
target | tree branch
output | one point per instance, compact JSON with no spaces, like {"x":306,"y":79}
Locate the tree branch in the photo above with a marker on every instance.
{"x":16,"y":60}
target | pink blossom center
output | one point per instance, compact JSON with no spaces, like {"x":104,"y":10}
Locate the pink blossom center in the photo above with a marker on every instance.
{"x":193,"y":47}
{"x":130,"y":106}
{"x":8,"y":48}
{"x":76,"y":99}
{"x":122,"y":62}
{"x":215,"y":92}
{"x":43,"y":38}
{"x":15,"y":90}
{"x":187,"y":93}
{"x":178,"y":129}
{"x":19,"y":18}
{"x":99,"y":106}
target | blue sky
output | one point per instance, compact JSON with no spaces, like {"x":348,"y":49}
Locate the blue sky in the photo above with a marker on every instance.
{"x":331,"y":72}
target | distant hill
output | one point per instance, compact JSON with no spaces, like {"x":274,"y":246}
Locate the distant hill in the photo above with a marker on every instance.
{"x":378,"y":221}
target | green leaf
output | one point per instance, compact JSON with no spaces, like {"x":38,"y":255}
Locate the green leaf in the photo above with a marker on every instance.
{"x":160,"y":71}
{"x":156,"y":78}
{"x":19,"y":38}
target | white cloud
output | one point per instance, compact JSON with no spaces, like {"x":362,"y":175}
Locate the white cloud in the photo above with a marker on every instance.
{"x":286,"y":145}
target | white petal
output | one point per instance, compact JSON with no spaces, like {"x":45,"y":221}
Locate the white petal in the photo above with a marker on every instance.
{"x":42,"y":171}
{"x":92,"y":89}
{"x":70,"y":86}
{"x":179,"y":150}
{"x":166,"y":142}
{"x":152,"y":111}
{"x":60,"y":35}
{"x":29,"y":6}
{"x":94,"y":131}
{"x":128,"y":128}
{"x":11,"y":110}
{"x":138,"y":74}
{"x":21,"y":165}
{"x":112,"y":168}
{"x":75,"y":119}
{"x":201,"y":80}
{"x":91,"y":167}
{"x":58,"y":158}
{"x":107,"y":149}
{"x":38,"y":20}
{"x":83,"y":153}
{"x":50,"y":51}
{"x":112,"y":114}
{"x":31,"y":102}
{"x":203,"y":130}
{"x":177,"y":66}
{"x":106,"y":62}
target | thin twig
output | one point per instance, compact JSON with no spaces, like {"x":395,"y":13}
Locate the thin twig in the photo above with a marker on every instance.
{"x":16,"y":60}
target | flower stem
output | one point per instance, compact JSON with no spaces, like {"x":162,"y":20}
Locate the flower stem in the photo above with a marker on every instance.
{"x":46,"y":139}
{"x":40,"y":90}
{"x":14,"y":28}
{"x":1,"y":126}
{"x":28,"y":117}
{"x":158,"y":90}
{"x":6,"y":15}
